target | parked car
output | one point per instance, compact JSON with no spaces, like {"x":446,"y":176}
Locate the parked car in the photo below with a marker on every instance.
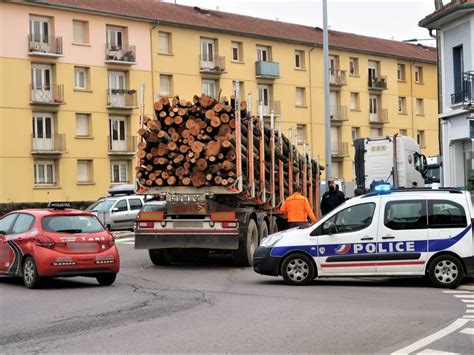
{"x":118,"y":211}
{"x":147,"y":214}
{"x":56,"y":242}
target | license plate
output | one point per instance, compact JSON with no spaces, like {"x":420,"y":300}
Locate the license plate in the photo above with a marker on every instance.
{"x":185,"y":198}
{"x":82,"y":247}
{"x":187,"y":224}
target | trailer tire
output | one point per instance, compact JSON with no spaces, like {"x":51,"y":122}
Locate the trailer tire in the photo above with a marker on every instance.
{"x":244,"y":255}
{"x":160,"y":257}
{"x":263,"y":231}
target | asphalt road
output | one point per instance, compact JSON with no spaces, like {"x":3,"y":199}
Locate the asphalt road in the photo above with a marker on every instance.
{"x":212,"y":306}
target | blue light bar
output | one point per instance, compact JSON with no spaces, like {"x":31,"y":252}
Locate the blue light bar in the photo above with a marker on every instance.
{"x":383,"y":188}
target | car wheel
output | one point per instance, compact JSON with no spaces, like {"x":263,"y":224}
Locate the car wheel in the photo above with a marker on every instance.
{"x":298,"y":269}
{"x":446,"y":271}
{"x":160,"y":257}
{"x":106,"y":279}
{"x":30,"y":273}
{"x":244,"y":255}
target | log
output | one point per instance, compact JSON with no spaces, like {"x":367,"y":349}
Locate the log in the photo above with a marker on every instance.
{"x":198,"y":178}
{"x":201,"y":164}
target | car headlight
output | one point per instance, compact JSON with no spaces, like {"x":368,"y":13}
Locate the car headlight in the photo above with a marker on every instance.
{"x":270,"y":240}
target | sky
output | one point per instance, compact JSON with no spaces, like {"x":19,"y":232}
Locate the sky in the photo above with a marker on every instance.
{"x":387,"y":19}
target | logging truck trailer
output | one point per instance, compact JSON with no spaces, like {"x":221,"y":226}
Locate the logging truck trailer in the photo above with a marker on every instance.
{"x":208,"y":216}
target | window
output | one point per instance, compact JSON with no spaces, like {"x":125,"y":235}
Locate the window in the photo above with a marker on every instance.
{"x":299,"y":60}
{"x":165,"y":85}
{"x":119,"y":171}
{"x":118,"y":133}
{"x":80,"y":31}
{"x":40,"y":31}
{"x":80,"y":78}
{"x":446,"y":214}
{"x":44,"y":173}
{"x":354,"y":66}
{"x":353,"y":218}
{"x":401,"y":72}
{"x":264,"y":97}
{"x":236,"y":51}
{"x":263,"y":54}
{"x":402,"y":104}
{"x":403,"y":132}
{"x":121,"y":206}
{"x":83,"y":128}
{"x":301,"y":133}
{"x":458,"y":69}
{"x":86,"y":224}
{"x":84,"y":171}
{"x":418,"y":75}
{"x":420,"y":138}
{"x":115,"y":38}
{"x":376,"y":132}
{"x":7,"y":221}
{"x":23,"y":223}
{"x":355,"y":133}
{"x":401,"y":215}
{"x":300,"y":96}
{"x":209,"y":88}
{"x":420,"y":107}
{"x":43,"y":128}
{"x":241,"y":89}
{"x":164,"y":39}
{"x":355,"y":101}
{"x":135,"y":203}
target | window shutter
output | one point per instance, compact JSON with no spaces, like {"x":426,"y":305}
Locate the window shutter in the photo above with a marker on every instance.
{"x":78,"y":32}
{"x":83,"y":171}
{"x":82,"y":125}
{"x":164,"y":42}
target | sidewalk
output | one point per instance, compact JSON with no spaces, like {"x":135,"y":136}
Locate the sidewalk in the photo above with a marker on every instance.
{"x":468,"y":284}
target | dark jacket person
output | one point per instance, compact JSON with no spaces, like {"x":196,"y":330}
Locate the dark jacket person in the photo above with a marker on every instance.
{"x":331,"y":198}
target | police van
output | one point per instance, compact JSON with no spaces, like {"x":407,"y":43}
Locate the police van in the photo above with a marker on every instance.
{"x":405,"y":232}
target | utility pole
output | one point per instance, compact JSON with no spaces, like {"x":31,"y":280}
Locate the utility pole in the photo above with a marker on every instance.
{"x":327,"y":119}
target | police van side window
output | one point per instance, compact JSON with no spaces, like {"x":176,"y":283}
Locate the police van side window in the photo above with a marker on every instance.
{"x":446,"y":214}
{"x":354,"y":218}
{"x":401,"y":215}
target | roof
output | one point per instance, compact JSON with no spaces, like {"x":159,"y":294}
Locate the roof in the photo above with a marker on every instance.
{"x":446,"y":10}
{"x":44,"y":212}
{"x":195,"y":17}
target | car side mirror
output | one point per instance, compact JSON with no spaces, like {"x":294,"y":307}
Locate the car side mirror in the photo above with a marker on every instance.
{"x":3,"y":232}
{"x":115,"y":209}
{"x":329,"y":228}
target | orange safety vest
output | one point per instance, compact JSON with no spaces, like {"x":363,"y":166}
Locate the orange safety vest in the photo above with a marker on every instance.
{"x":297,"y":208}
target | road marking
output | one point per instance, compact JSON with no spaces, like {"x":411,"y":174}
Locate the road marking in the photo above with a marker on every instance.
{"x":458,"y":323}
{"x":468,"y":301}
{"x":469,"y":331}
{"x":470,"y":311}
{"x":470,"y":305}
{"x":125,"y":241}
{"x":456,"y":291}
{"x":468,"y":317}
{"x":464,"y":296}
{"x":430,"y":351}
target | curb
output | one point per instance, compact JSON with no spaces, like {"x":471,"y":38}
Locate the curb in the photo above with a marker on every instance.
{"x":467,"y":285}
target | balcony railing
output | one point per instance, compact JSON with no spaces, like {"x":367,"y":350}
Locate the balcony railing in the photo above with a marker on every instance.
{"x":338,"y":113}
{"x":267,"y":109}
{"x":466,"y":95}
{"x":380,"y":117}
{"x":267,"y":70}
{"x":55,"y":144}
{"x":125,"y":146}
{"x":121,"y":98}
{"x":212,"y":64}
{"x":47,"y":95}
{"x":339,"y":149}
{"x":124,"y":54}
{"x":46,"y":46}
{"x":337,"y":77}
{"x":378,"y":83}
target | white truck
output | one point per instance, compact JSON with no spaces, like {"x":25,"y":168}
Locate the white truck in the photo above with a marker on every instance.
{"x":392,"y":159}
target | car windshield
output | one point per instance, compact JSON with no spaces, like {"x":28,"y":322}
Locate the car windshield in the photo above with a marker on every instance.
{"x":100,"y":206}
{"x":72,"y":224}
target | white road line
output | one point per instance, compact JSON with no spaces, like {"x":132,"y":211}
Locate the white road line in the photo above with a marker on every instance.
{"x":430,"y":351}
{"x":468,"y":301}
{"x":469,"y":331}
{"x":470,"y":311}
{"x":470,"y":305}
{"x":456,"y":291}
{"x":468,"y":317}
{"x":458,"y":323}
{"x":464,"y":296}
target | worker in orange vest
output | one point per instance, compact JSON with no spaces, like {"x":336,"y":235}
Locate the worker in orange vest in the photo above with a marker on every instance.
{"x":297,"y":208}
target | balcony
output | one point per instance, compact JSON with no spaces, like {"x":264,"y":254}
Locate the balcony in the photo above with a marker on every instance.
{"x":47,"y":95}
{"x":338,"y":114}
{"x":212,"y":64}
{"x":380,"y":117}
{"x":339,"y":150}
{"x":337,"y":77}
{"x":124,"y":54}
{"x":121,"y":99}
{"x":465,"y":97}
{"x":267,"y":109}
{"x":54,"y":145}
{"x":126,"y":146}
{"x":45,"y":46}
{"x":267,"y":70}
{"x":378,"y":83}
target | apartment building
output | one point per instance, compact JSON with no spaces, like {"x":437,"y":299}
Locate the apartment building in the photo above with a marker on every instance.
{"x":75,"y":68}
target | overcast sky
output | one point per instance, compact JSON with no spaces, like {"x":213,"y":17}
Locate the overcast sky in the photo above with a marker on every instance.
{"x":388,"y":19}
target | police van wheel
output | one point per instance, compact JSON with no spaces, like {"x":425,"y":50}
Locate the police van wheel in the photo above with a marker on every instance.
{"x":244,"y":255}
{"x":446,"y":271}
{"x":160,"y":257}
{"x":298,"y":269}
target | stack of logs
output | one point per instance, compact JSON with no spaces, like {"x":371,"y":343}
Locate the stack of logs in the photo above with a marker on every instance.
{"x":193,"y":144}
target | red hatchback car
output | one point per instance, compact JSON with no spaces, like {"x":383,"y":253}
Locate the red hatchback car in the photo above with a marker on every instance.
{"x":56,"y":242}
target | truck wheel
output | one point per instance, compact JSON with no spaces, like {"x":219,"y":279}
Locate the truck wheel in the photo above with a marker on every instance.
{"x":244,"y":255}
{"x":298,"y":269}
{"x":263,"y":231}
{"x":446,"y":271}
{"x":274,"y":226}
{"x":160,"y":257}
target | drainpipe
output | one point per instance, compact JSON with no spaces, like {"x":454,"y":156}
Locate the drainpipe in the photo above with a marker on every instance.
{"x":440,"y":87}
{"x":395,"y":162}
{"x":310,"y":95}
{"x":152,"y":56}
{"x":413,"y":102}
